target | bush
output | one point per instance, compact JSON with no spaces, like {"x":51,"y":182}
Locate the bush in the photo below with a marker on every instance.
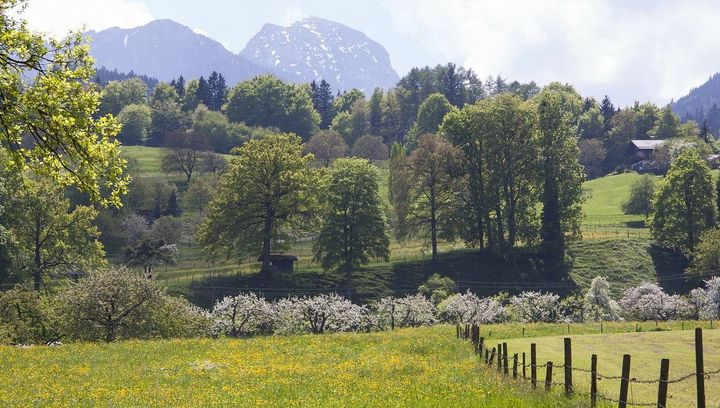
{"x":437,"y":288}
{"x":469,"y":309}
{"x":532,"y":307}
{"x":706,"y":302}
{"x":649,"y":302}
{"x":598,"y":304}
{"x":408,"y":311}
{"x":319,"y":314}
{"x":115,"y":304}
{"x":242,"y":315}
{"x":26,"y":317}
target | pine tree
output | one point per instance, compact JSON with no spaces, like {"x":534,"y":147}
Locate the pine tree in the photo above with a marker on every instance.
{"x":217,"y":91}
{"x":375,"y":115}
{"x":179,"y":85}
{"x":608,"y":110}
{"x":705,"y":132}
{"x":202,"y":93}
{"x":322,"y":99}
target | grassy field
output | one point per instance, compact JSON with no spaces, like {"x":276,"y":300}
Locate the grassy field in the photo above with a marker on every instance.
{"x":424,"y":367}
{"x":646,"y":350}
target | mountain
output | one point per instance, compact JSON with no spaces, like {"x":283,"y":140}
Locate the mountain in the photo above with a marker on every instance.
{"x":314,"y":49}
{"x":311,"y":49}
{"x":700,"y":99}
{"x":702,"y":105}
{"x":164,"y":49}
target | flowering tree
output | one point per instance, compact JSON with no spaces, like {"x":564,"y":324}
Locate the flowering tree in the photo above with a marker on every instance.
{"x":319,"y":314}
{"x":598,"y":304}
{"x":467,"y":308}
{"x":649,"y":302}
{"x":706,"y":302}
{"x":242,"y":315}
{"x":411,"y":310}
{"x":536,"y":307}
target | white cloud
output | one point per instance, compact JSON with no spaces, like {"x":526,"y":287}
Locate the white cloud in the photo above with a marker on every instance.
{"x":629,"y":50}
{"x":292,"y":15}
{"x":57,"y":17}
{"x":200,"y":31}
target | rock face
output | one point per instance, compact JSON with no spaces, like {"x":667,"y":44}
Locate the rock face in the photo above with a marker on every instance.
{"x":315,"y":49}
{"x":165,"y":50}
{"x":312,"y":49}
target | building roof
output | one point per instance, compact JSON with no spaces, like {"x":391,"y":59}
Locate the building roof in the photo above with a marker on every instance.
{"x":647,"y":144}
{"x":277,"y":257}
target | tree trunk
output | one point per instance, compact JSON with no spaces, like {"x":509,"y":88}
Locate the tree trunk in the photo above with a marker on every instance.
{"x":110,"y":332}
{"x":433,"y":227}
{"x":267,"y":237}
{"x":37,"y":262}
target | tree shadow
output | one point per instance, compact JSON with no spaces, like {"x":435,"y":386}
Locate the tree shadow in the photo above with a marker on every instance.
{"x":670,"y":266}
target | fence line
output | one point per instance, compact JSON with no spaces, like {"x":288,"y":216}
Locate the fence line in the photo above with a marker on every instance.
{"x":472,"y":333}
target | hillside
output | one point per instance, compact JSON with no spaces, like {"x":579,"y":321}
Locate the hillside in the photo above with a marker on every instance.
{"x":615,"y":245}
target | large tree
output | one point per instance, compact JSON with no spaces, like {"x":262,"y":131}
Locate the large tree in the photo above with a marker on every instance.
{"x":424,"y":190}
{"x":326,"y":146}
{"x":322,"y":99}
{"x":267,"y":197}
{"x":562,"y":173}
{"x":371,"y":148}
{"x":136,"y":121}
{"x":684,"y":203}
{"x":52,"y":238}
{"x":270,"y":102}
{"x":353,"y":229}
{"x":184,"y":153}
{"x":118,"y":94}
{"x":47,"y":112}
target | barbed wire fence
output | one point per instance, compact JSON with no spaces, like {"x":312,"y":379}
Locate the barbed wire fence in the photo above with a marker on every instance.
{"x":517,"y":366}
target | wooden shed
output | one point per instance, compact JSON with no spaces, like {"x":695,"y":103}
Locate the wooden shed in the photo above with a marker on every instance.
{"x":281,"y":263}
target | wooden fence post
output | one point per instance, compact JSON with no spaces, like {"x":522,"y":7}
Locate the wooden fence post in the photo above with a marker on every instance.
{"x":663,"y":384}
{"x":492,"y":356}
{"x":699,"y":368}
{"x":505,"y":359}
{"x":568,"y":367}
{"x":533,"y":365}
{"x":515,"y":366}
{"x":548,"y":375}
{"x":624,"y":382}
{"x":593,"y":381}
{"x":523,"y":365}
{"x":500,"y":353}
{"x":481,"y":345}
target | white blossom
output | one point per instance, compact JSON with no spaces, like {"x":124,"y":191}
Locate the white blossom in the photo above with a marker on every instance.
{"x":649,"y":302}
{"x":536,"y":307}
{"x":242,"y":315}
{"x":469,"y":309}
{"x":598,"y":304}
{"x":319,"y":314}
{"x":408,"y":311}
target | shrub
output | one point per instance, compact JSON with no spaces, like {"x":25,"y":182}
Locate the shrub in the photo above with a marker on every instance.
{"x":319,"y":314}
{"x":536,"y":307}
{"x":26,"y":317}
{"x":649,"y":302}
{"x":706,"y":302}
{"x":115,"y":304}
{"x":242,"y":315}
{"x":598,"y":304}
{"x":469,"y":309}
{"x":408,"y":311}
{"x":437,"y":288}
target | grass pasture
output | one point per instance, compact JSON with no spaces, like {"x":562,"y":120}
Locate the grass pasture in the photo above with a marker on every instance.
{"x":425,"y":367}
{"x":646,"y":349}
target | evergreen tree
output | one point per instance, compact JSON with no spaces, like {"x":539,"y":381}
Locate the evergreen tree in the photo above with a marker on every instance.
{"x":202,"y":93}
{"x":217,"y":91}
{"x":179,"y":85}
{"x":322,"y":99}
{"x":608,"y":110}
{"x":704,"y":133}
{"x":375,"y":114}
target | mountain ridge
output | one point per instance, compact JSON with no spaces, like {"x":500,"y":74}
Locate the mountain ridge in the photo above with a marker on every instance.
{"x":310,"y":49}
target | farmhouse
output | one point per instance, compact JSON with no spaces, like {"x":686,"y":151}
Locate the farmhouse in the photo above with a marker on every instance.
{"x":281,"y":263}
{"x":643,"y":149}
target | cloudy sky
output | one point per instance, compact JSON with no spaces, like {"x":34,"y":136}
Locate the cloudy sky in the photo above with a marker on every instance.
{"x":642,"y":50}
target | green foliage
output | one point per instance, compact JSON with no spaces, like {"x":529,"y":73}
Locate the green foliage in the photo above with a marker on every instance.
{"x":48,"y":110}
{"x":424,"y":187}
{"x":562,"y":174}
{"x":136,"y":121}
{"x":322,"y":99}
{"x":354,"y":228}
{"x":642,"y":192}
{"x":164,"y":92}
{"x":345,"y":102}
{"x":269,"y":102}
{"x":52,"y":239}
{"x":592,"y":153}
{"x":267,"y":195}
{"x":438,"y":288}
{"x":27,"y":317}
{"x":118,"y":94}
{"x":167,"y":118}
{"x":150,"y":252}
{"x":684,"y":203}
{"x":430,"y":116}
{"x":667,"y":124}
{"x":706,"y":259}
